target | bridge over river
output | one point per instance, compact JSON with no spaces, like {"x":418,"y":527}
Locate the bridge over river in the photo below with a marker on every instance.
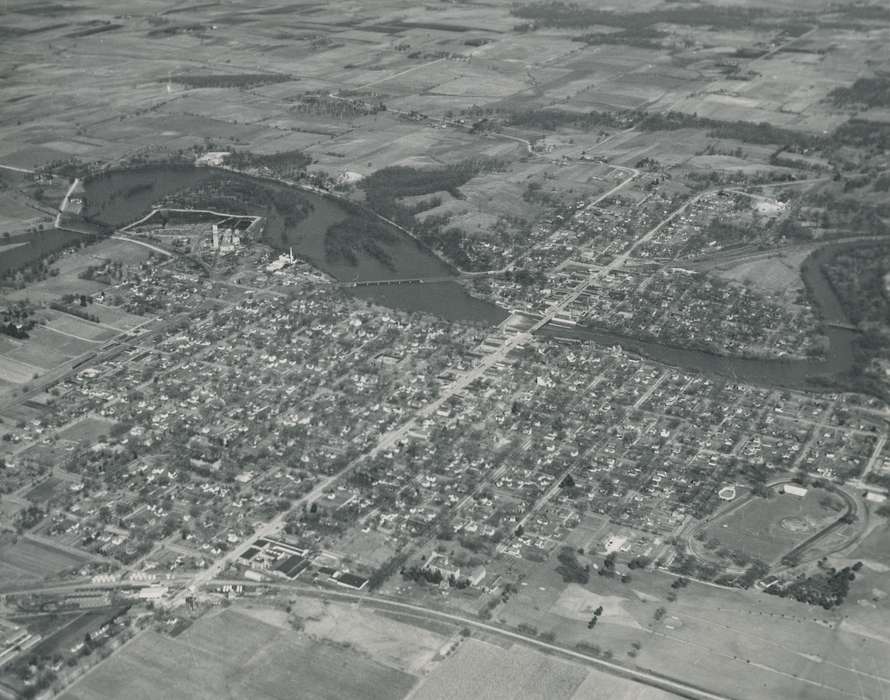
{"x":411,"y":280}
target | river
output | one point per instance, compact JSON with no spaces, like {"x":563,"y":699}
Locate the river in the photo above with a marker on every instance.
{"x":791,"y":374}
{"x":120,"y":197}
{"x":124,"y":196}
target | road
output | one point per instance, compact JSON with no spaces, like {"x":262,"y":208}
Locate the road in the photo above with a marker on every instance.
{"x":400,"y":73}
{"x":875,"y":455}
{"x":136,"y":241}
{"x":769,"y":54}
{"x":392,"y":437}
{"x":15,"y":169}
{"x":64,"y":205}
{"x":188,"y":211}
{"x":86,"y":585}
{"x":373,"y":601}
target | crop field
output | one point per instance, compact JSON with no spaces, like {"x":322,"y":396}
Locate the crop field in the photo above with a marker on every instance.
{"x":45,"y":349}
{"x":16,"y":372}
{"x":79,"y":328}
{"x":767,"y":528}
{"x":31,"y":559}
{"x":116,"y":317}
{"x":389,"y":640}
{"x":482,"y":670}
{"x":751,"y":645}
{"x":744,"y":643}
{"x":233,"y":655}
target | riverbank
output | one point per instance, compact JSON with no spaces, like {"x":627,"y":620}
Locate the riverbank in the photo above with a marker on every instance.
{"x":829,"y":374}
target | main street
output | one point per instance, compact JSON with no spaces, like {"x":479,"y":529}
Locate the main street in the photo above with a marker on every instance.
{"x":393,"y":437}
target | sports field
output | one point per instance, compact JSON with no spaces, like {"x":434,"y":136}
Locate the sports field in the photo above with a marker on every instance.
{"x":767,"y":528}
{"x":231,"y":655}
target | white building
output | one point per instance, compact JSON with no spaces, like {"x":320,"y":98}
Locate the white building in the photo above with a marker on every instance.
{"x":794,"y":490}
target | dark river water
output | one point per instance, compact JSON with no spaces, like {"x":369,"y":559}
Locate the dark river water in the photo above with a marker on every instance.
{"x":792,"y":374}
{"x":124,"y":196}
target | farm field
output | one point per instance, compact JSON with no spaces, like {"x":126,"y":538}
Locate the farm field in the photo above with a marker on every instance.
{"x":233,"y":655}
{"x":16,"y":372}
{"x":116,"y":317}
{"x":27,"y":559}
{"x":479,"y":669}
{"x":767,"y":528}
{"x":394,"y":643}
{"x":45,"y":349}
{"x":714,"y":636}
{"x":80,"y":329}
{"x":751,"y":645}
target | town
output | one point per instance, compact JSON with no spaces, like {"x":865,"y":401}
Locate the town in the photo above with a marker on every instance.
{"x":413,"y":386}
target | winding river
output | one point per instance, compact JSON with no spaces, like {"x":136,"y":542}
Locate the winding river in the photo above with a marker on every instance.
{"x":120,"y":197}
{"x":123,"y":196}
{"x":792,"y":374}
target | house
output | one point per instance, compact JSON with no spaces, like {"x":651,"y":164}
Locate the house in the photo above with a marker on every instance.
{"x":440,"y":563}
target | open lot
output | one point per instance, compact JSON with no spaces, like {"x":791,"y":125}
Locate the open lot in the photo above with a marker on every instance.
{"x":44,"y":491}
{"x":86,"y":430}
{"x":396,"y":644}
{"x":233,"y":655}
{"x":774,"y":274}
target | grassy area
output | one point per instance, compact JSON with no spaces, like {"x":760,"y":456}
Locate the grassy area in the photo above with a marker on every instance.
{"x":34,"y":560}
{"x":766,"y":528}
{"x":233,"y":655}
